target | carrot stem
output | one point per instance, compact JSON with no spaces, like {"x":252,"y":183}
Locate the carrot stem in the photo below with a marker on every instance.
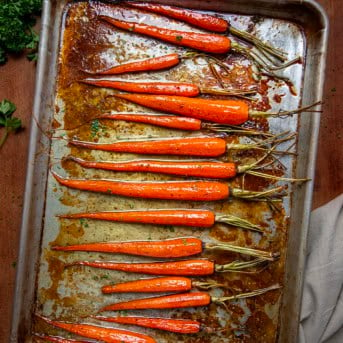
{"x":223,"y":300}
{"x":238,"y":222}
{"x":268,"y":256}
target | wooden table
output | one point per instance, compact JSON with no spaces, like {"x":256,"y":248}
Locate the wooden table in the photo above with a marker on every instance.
{"x":17,"y":79}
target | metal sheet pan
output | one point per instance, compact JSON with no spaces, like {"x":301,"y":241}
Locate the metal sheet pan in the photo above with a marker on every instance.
{"x":38,"y":226}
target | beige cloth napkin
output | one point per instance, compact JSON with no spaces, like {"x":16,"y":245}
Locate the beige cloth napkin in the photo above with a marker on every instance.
{"x":322,"y":303}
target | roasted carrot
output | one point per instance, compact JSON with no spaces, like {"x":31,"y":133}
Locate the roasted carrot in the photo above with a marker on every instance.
{"x":198,"y":267}
{"x":173,"y":122}
{"x":179,"y":123}
{"x":190,"y":146}
{"x":108,"y":335}
{"x":171,"y":190}
{"x":213,"y":170}
{"x":150,"y":64}
{"x":207,"y":22}
{"x":229,"y":112}
{"x":176,"y":247}
{"x":193,"y":299}
{"x":207,"y":42}
{"x":166,"y":88}
{"x":172,"y":325}
{"x":45,"y":338}
{"x":161,"y":284}
{"x":193,"y":218}
{"x":203,"y":169}
{"x":202,"y":20}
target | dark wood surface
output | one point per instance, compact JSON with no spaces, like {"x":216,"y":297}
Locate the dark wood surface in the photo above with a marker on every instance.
{"x":17,"y":79}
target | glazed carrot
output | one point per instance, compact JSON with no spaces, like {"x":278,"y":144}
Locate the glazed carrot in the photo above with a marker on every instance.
{"x":166,"y":88}
{"x":193,"y":218}
{"x":170,"y":301}
{"x":208,"y":169}
{"x":190,"y":146}
{"x":108,"y":335}
{"x":172,"y":325}
{"x":207,"y":42}
{"x":183,"y":190}
{"x":150,"y":64}
{"x":230,"y":112}
{"x":161,"y":284}
{"x":204,"y":21}
{"x":199,"y":218}
{"x":173,"y":122}
{"x":45,"y":338}
{"x":177,"y":247}
{"x":171,"y":190}
{"x":194,"y":299}
{"x":198,"y":267}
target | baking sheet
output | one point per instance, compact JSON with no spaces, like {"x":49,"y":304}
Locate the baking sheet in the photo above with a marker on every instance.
{"x":74,"y":293}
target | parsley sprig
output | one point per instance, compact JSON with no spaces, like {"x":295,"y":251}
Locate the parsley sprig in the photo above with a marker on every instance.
{"x":7,"y":121}
{"x":17,"y":18}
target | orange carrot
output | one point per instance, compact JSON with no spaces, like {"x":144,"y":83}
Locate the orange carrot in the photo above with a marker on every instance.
{"x":183,"y":190}
{"x":169,"y":301}
{"x":193,"y":218}
{"x":108,"y":335}
{"x":173,"y":122}
{"x":178,"y":247}
{"x":166,"y":88}
{"x":194,"y":299}
{"x":204,"y":21}
{"x":208,"y":169}
{"x":161,"y":284}
{"x":45,"y":338}
{"x":150,"y":64}
{"x":190,"y":146}
{"x":172,"y":325}
{"x":230,"y":112}
{"x":198,"y":267}
{"x":189,"y":267}
{"x":207,"y":42}
{"x":171,"y":190}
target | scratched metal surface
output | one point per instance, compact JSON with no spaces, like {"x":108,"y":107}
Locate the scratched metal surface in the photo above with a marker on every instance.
{"x":74,"y":293}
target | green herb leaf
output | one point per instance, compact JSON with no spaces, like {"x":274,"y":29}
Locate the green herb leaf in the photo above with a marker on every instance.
{"x":179,"y":38}
{"x":7,"y":108}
